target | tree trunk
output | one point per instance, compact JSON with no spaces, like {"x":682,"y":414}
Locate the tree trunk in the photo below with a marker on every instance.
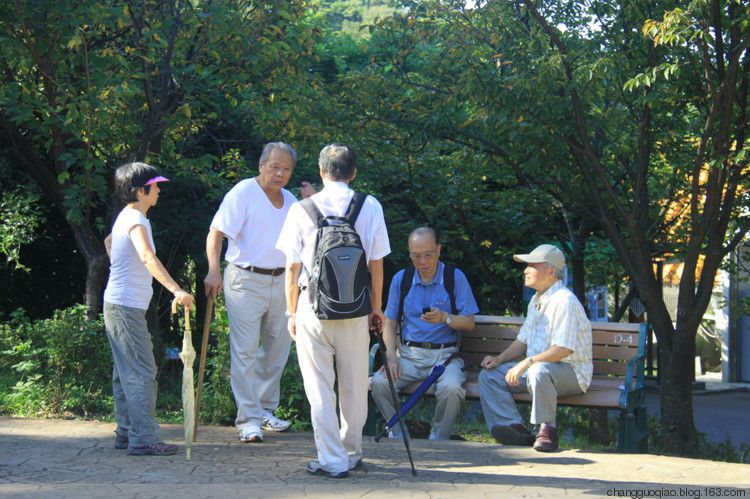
{"x":97,"y":266}
{"x":578,"y":268}
{"x":97,"y":271}
{"x":678,"y":432}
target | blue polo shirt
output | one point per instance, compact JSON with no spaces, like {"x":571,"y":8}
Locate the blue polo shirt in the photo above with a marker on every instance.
{"x":432,"y":294}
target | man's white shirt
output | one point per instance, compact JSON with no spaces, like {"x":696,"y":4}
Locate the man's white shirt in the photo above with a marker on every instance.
{"x":252,"y":225}
{"x":298,"y":233}
{"x":557,"y":318}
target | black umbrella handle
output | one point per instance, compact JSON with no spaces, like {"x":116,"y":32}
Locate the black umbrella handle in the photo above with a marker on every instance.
{"x":396,"y":404}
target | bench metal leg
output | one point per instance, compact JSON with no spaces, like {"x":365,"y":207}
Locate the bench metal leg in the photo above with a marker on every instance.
{"x":633,"y":431}
{"x":641,"y":424}
{"x":598,"y":426}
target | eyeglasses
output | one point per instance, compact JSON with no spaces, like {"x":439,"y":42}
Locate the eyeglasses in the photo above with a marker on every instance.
{"x":426,"y":255}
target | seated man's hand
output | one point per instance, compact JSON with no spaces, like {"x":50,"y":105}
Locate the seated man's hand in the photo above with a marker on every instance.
{"x":434,"y":316}
{"x":513,"y":378}
{"x":490,"y":362}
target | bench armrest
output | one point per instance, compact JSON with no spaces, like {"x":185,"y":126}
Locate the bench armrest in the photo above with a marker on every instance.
{"x":632,"y":391}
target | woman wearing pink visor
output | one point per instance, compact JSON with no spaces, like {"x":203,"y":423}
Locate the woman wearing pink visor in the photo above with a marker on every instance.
{"x":133,"y":266}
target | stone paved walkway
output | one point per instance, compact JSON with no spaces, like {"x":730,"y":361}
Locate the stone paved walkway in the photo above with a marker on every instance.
{"x":57,"y":458}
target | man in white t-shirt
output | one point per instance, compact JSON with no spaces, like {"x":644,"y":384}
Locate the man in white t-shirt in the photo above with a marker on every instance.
{"x":250,"y":217}
{"x":339,"y":447}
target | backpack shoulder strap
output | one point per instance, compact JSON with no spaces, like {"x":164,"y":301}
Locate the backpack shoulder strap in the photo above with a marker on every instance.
{"x":309,"y":206}
{"x":355,"y":206}
{"x":449,"y":282}
{"x":406,"y":281}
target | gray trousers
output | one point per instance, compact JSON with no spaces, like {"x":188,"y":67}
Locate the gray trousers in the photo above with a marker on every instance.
{"x":416,"y":364}
{"x":545,"y":381}
{"x":133,"y":374}
{"x":258,"y":341}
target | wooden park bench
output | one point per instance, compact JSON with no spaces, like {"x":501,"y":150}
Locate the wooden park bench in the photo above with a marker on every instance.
{"x":617,"y":383}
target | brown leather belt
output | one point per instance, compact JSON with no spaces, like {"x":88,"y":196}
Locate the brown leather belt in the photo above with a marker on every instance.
{"x":259,"y":270}
{"x":428,"y":346}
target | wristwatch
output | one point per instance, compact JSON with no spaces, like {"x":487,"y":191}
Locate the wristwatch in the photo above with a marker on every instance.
{"x":448,"y":320}
{"x":289,"y":314}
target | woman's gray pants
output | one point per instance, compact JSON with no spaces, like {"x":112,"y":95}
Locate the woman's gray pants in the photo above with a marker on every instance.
{"x":545,"y":381}
{"x":133,"y":374}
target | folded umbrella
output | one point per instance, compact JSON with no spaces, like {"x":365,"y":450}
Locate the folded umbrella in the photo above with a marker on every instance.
{"x":188,"y":390}
{"x":437,"y":371}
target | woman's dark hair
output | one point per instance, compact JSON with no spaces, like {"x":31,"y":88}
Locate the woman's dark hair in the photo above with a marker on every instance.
{"x":132,"y":176}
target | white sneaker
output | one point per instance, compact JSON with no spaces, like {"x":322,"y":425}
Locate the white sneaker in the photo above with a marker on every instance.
{"x":272,"y":423}
{"x":251,"y":433}
{"x":433,"y":437}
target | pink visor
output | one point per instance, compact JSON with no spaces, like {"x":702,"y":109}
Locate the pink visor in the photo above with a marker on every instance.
{"x":157,"y":179}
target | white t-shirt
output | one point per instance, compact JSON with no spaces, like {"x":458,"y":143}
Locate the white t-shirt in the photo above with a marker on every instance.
{"x":297,"y":238}
{"x":129,"y":281}
{"x":252,"y":224}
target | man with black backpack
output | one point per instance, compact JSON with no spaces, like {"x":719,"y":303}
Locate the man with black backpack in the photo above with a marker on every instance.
{"x":433,"y":302}
{"x":334,"y":243}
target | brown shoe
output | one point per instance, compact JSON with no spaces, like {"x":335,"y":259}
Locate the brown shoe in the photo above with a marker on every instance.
{"x":515,"y":434}
{"x":546,"y":440}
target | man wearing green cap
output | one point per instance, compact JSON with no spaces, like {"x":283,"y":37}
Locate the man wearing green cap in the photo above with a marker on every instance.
{"x":556,"y":341}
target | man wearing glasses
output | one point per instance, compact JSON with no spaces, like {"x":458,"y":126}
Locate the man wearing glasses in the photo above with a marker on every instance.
{"x":430,"y":326}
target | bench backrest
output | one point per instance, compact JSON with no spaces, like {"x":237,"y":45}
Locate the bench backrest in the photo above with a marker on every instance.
{"x":614,"y":343}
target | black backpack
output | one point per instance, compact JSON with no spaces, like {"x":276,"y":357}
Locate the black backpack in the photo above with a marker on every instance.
{"x":449,"y":283}
{"x":339,"y":281}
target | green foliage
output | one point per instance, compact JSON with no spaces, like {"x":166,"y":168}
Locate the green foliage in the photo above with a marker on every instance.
{"x":93,"y":84}
{"x":60,"y":365}
{"x":350,"y":16}
{"x":21,"y":215}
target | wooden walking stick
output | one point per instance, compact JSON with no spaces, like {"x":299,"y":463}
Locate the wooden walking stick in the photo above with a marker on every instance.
{"x":202,"y":364}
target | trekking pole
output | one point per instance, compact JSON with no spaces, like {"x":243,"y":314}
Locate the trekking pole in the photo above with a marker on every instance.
{"x":379,"y":335}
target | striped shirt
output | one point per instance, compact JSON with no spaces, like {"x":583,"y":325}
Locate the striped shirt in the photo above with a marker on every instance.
{"x":556,"y":318}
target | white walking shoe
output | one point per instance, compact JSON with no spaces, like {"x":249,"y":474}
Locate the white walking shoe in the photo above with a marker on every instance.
{"x":274,"y":424}
{"x":251,"y":433}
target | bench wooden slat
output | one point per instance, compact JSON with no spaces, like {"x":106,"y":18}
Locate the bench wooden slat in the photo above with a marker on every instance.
{"x":490,"y":331}
{"x":604,"y":368}
{"x":496,"y":320}
{"x":599,"y":351}
{"x":615,"y":353}
{"x":489,"y":345}
{"x":615,"y":338}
